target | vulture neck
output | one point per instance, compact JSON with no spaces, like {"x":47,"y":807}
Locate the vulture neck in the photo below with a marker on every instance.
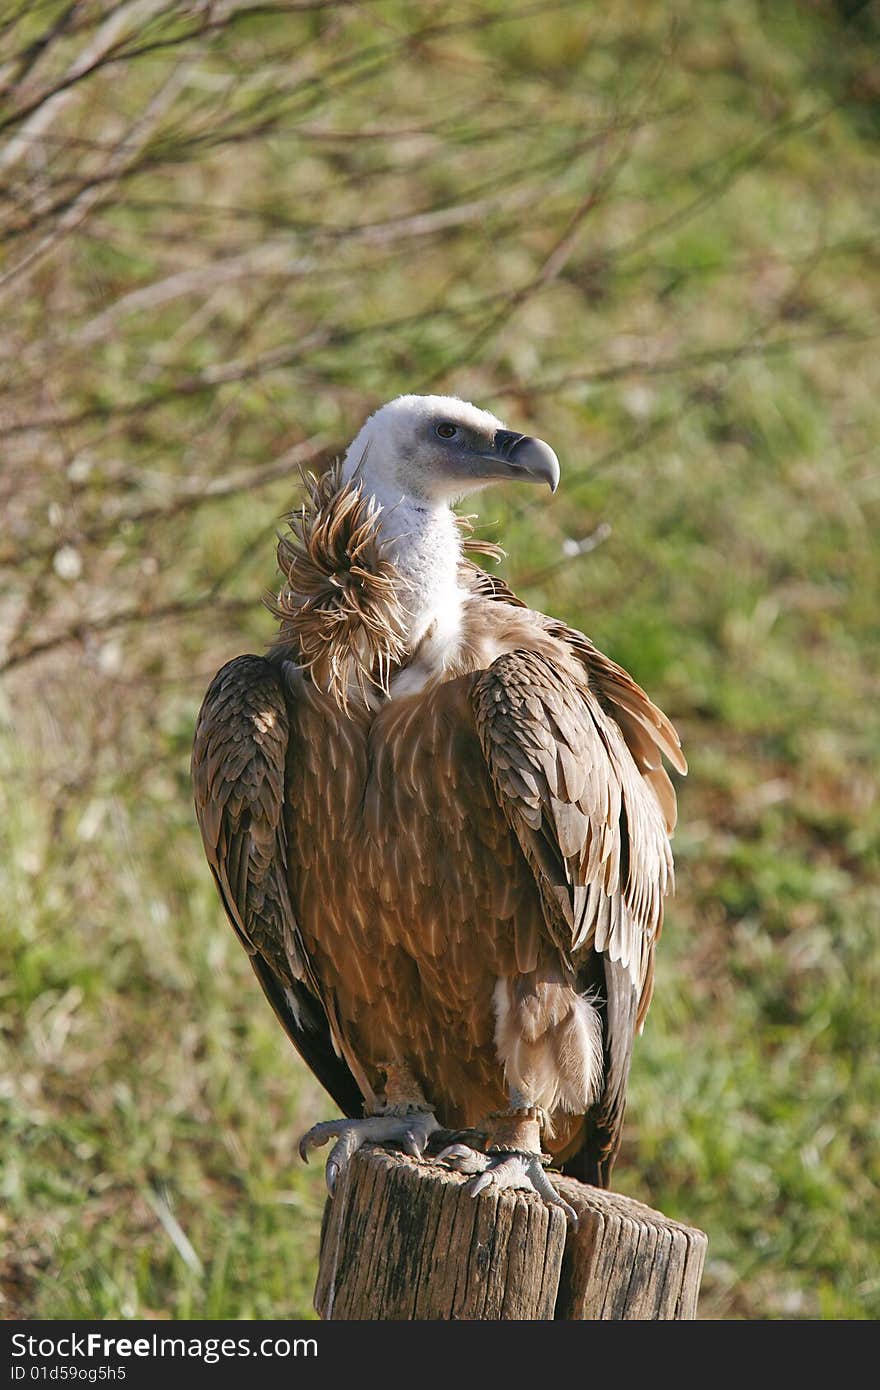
{"x":423,"y":542}
{"x":371,"y":604}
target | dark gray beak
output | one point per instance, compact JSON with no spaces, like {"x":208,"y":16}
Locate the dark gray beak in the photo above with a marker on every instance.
{"x":519,"y":455}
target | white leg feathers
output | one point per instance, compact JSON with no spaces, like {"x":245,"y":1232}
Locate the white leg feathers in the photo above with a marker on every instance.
{"x":549,"y":1041}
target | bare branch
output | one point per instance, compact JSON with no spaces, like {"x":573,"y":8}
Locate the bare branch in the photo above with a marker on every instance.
{"x":126,"y":150}
{"x":42,"y":110}
{"x":125,"y":618}
{"x":196,"y":493}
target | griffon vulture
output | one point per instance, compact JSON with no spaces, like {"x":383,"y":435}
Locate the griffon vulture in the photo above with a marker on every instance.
{"x":439,"y":820}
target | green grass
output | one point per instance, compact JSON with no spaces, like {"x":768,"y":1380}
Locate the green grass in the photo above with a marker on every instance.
{"x":704,"y":361}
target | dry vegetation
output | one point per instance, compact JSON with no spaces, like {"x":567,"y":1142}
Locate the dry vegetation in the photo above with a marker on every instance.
{"x":227,"y":231}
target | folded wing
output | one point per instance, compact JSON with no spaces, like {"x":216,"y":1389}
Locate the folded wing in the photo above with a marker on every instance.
{"x":573,"y":747}
{"x":242,"y":742}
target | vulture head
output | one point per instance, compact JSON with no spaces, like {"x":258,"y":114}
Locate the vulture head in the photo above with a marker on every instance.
{"x":372,"y":560}
{"x":434,"y":449}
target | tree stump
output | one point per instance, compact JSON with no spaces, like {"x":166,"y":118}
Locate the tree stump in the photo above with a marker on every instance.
{"x":402,"y":1240}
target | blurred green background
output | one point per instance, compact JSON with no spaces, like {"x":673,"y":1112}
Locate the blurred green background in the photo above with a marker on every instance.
{"x":648,"y":233}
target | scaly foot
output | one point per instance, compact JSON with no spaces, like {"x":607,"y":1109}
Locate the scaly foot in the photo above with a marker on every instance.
{"x":410,"y":1131}
{"x":503,"y":1168}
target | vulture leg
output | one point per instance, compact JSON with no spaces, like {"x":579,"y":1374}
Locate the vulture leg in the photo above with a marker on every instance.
{"x":405,"y":1119}
{"x":548,"y":1037}
{"x":513,"y":1159}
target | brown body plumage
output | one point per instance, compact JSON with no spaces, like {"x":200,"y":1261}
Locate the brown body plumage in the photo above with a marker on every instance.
{"x":437,"y":876}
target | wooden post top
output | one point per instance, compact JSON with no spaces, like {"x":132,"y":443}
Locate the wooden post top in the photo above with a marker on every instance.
{"x":402,"y":1239}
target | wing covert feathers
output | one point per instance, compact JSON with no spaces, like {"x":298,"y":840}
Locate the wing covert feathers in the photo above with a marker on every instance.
{"x":574,"y":747}
{"x":590,"y":825}
{"x":238,"y":780}
{"x":238,"y":772}
{"x":647,"y":731}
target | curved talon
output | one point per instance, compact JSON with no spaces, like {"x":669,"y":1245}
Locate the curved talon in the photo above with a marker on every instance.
{"x":544,"y":1187}
{"x":520,"y":1171}
{"x":318,"y":1135}
{"x":411,"y":1132}
{"x":487,"y":1179}
{"x":462,"y":1159}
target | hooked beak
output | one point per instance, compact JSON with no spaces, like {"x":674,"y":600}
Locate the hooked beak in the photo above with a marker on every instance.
{"x":521,"y":456}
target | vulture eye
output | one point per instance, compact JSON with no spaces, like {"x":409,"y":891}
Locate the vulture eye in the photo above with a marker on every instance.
{"x":447,"y":431}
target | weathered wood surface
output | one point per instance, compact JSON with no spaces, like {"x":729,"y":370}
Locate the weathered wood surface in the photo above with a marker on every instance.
{"x":627,"y":1261}
{"x":402,"y":1240}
